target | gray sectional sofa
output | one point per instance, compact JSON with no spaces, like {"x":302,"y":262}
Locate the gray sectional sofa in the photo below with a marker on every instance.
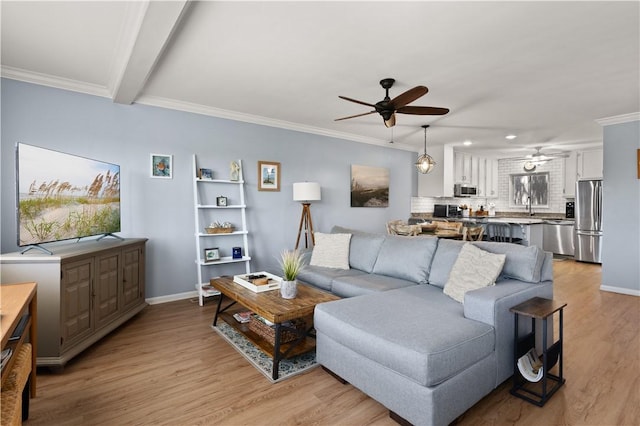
{"x":397,"y":337}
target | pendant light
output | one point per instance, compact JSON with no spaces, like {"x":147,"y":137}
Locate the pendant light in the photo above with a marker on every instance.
{"x":425,"y":162}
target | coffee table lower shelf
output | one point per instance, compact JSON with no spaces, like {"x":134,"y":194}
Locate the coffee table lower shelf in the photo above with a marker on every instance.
{"x":291,"y":349}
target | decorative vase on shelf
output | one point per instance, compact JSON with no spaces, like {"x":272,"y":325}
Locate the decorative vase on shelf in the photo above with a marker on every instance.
{"x":289,"y":289}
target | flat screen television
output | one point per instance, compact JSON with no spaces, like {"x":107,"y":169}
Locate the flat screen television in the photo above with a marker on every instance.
{"x":62,"y":196}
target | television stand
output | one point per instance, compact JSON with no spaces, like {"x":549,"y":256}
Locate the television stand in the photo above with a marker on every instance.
{"x":36,"y":246}
{"x":109,"y":234}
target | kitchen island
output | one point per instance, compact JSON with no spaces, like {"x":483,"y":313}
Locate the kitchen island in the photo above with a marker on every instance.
{"x":529,"y":229}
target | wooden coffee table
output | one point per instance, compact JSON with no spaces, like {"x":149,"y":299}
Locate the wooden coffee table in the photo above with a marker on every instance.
{"x":272,"y":307}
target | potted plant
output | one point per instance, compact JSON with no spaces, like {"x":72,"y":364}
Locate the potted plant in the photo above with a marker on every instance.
{"x":292,"y":263}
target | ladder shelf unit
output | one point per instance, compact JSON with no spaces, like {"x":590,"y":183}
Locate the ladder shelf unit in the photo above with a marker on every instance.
{"x":204,"y":194}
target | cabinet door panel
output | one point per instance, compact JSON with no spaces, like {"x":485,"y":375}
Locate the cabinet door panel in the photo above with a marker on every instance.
{"x":106,"y":288}
{"x":76,"y":300}
{"x":133,"y":293}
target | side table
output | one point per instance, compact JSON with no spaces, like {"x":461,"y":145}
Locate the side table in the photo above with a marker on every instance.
{"x":541,"y":309}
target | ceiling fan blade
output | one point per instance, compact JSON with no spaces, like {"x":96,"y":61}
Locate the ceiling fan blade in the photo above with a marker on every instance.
{"x":356,"y":101}
{"x":354,"y":116}
{"x":408,"y":97}
{"x":391,"y":121}
{"x":422,"y":110}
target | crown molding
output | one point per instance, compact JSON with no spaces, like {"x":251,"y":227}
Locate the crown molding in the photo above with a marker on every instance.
{"x":619,"y":119}
{"x":105,"y":92}
{"x":263,"y":121}
{"x":56,"y":82}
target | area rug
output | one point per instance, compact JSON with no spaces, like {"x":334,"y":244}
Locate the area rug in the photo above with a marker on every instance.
{"x":287,"y":368}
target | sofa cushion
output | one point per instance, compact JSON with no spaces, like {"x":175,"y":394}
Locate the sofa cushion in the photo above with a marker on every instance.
{"x":475,"y":268}
{"x":355,"y":285}
{"x":408,"y":258}
{"x":426,"y":339}
{"x":522,"y":262}
{"x":331,"y":250}
{"x":364,"y":248}
{"x":443,"y":260}
{"x":322,"y":278}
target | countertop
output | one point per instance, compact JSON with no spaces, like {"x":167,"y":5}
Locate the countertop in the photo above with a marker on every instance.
{"x":515,"y":220}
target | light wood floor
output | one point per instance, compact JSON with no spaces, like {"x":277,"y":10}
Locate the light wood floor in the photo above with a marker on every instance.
{"x":167,"y":367}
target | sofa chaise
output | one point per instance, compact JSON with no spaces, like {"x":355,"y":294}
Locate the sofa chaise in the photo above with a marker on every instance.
{"x":397,"y":336}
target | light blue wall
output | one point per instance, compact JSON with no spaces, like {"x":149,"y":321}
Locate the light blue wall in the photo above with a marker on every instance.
{"x":621,"y":209}
{"x":162,"y":210}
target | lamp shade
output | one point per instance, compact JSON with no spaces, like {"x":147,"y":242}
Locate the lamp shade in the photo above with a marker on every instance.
{"x":306,"y":191}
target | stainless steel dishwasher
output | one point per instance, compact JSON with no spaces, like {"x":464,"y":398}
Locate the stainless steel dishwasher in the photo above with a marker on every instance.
{"x":557,"y":236}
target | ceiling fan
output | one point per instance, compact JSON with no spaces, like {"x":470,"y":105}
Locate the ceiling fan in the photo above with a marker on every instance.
{"x":388,"y":107}
{"x":539,"y":158}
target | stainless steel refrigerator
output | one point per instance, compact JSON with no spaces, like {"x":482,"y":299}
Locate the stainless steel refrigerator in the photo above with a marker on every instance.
{"x":588,"y":228}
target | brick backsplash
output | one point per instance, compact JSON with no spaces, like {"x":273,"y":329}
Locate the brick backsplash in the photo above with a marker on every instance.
{"x":506,"y":168}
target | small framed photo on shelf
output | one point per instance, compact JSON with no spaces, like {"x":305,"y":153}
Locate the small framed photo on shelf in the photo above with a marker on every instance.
{"x":205,"y":174}
{"x":162,"y":166}
{"x":221,"y":201}
{"x":268,"y":176}
{"x":211,"y":254}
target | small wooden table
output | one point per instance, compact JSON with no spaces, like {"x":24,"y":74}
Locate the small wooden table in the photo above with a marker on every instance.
{"x":272,"y":307}
{"x":18,"y":300}
{"x":541,"y":309}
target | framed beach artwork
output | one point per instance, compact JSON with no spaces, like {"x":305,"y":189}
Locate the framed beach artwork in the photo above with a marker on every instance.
{"x":268,"y":176}
{"x":162,"y":166}
{"x":369,"y":186}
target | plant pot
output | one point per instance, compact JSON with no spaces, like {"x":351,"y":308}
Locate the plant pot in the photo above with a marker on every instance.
{"x":288,"y":289}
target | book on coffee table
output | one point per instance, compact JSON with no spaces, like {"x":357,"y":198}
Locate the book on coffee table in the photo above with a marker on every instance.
{"x":258,"y":281}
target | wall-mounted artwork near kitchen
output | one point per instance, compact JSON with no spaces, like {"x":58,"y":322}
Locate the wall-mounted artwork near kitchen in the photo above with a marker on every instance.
{"x":535,"y":185}
{"x":369,"y":186}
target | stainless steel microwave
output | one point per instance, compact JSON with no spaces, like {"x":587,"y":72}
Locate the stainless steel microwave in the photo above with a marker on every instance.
{"x":464,"y":190}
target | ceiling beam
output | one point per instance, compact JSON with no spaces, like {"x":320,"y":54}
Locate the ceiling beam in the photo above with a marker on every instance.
{"x":156,"y":29}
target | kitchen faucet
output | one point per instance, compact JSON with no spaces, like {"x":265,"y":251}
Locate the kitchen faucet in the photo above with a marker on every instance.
{"x":530,"y":202}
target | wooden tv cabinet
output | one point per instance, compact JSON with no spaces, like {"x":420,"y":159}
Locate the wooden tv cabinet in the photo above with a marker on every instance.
{"x":85,"y":291}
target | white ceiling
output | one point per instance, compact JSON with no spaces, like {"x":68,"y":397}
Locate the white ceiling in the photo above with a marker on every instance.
{"x":544,"y":71}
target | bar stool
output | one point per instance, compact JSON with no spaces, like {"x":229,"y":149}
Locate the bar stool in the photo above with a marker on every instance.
{"x":501,"y":232}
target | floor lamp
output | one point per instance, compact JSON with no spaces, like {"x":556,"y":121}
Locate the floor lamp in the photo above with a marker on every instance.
{"x":305,"y":192}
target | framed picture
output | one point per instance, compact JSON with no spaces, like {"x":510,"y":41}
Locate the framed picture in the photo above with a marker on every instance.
{"x":369,"y":186}
{"x":161,"y":166}
{"x":211,"y":254}
{"x":205,"y":174}
{"x":268,"y":176}
{"x":221,"y":201}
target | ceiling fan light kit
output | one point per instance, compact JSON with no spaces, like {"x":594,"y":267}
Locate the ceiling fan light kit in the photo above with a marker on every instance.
{"x":387,"y":108}
{"x":425,"y":162}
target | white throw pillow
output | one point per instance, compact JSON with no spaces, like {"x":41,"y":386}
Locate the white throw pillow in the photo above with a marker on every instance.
{"x":331,"y":250}
{"x":474,"y":268}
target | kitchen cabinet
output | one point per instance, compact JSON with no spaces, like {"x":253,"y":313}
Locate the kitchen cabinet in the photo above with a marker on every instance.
{"x":570,"y":175}
{"x":590,"y":164}
{"x":463,"y":167}
{"x":481,"y":176}
{"x":85,"y":291}
{"x":438,"y":183}
{"x":491,"y":178}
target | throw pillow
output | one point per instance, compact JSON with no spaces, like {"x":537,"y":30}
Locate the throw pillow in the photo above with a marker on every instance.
{"x":331,"y":250}
{"x":474,"y":268}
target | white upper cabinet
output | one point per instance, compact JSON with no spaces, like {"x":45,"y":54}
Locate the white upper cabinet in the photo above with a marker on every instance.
{"x":463,"y":167}
{"x":438,"y":183}
{"x":491,"y":178}
{"x":570,"y":175}
{"x":590,"y":164}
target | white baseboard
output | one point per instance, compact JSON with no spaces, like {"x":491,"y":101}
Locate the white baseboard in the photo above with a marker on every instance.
{"x":171,"y":297}
{"x":621,"y":290}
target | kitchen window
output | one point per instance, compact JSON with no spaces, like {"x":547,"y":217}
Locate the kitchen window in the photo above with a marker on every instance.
{"x":525,"y":185}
